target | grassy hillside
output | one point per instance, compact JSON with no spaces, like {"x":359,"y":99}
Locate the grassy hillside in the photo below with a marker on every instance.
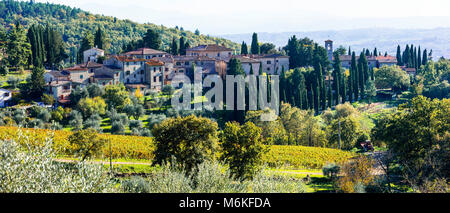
{"x":74,"y":23}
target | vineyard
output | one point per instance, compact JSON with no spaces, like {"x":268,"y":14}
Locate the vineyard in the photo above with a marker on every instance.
{"x":135,"y":147}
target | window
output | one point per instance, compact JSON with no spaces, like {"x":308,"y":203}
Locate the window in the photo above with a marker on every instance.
{"x":154,"y":79}
{"x":269,"y":62}
{"x":81,"y":76}
{"x":186,"y":63}
{"x":128,"y":72}
{"x":218,"y":54}
{"x":7,"y":94}
{"x":178,"y":63}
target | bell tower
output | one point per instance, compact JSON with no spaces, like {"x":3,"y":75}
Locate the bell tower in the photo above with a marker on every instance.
{"x":329,"y":48}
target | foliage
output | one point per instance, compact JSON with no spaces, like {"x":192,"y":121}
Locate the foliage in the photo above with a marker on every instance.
{"x":91,"y":106}
{"x":34,"y":170}
{"x":331,"y":170}
{"x":73,"y":22}
{"x":242,"y":149}
{"x":86,"y":143}
{"x":304,"y":157}
{"x":190,"y":140}
{"x":48,"y":99}
{"x":418,"y":136}
{"x":210,"y":178}
{"x":130,"y":147}
{"x":116,"y":96}
{"x":356,"y":174}
{"x":391,"y":77}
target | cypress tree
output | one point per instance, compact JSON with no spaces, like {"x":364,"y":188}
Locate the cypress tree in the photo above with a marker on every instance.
{"x":355,"y":77}
{"x":183,"y":46}
{"x":337,"y":75}
{"x":174,"y":47}
{"x":260,"y":71}
{"x":255,"y":45}
{"x":406,"y":59}
{"x":425,"y":57}
{"x":349,"y":51}
{"x":419,"y":58}
{"x":375,"y":52}
{"x":244,"y":49}
{"x":99,"y":40}
{"x":330,"y":93}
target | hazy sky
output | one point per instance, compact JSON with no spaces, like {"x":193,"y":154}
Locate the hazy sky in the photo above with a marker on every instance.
{"x":244,"y":16}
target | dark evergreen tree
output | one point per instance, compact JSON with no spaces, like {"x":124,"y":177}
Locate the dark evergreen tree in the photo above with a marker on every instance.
{"x":183,"y":46}
{"x":424,"y":57}
{"x":99,"y":39}
{"x":174,"y":47}
{"x":337,"y":69}
{"x":254,"y":49}
{"x":152,"y":39}
{"x":244,"y":49}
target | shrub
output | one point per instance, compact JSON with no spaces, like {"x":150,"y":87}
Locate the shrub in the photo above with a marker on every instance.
{"x":331,"y":170}
{"x":211,"y":177}
{"x":355,"y":174}
{"x":135,"y":124}
{"x":34,"y":171}
{"x":117,"y":127}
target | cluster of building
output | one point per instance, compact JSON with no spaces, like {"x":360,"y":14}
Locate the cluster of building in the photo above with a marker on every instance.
{"x":151,"y":69}
{"x":372,"y":61}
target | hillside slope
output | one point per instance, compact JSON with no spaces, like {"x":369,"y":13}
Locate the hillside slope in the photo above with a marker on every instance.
{"x":74,"y":23}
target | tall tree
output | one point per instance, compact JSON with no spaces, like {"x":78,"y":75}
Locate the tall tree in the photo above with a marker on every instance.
{"x":86,"y":43}
{"x":17,"y":47}
{"x":100,"y":40}
{"x":337,"y":69}
{"x":183,"y":46}
{"x":425,"y":57}
{"x":254,"y":49}
{"x":244,"y":49}
{"x":152,"y":39}
{"x":54,"y":46}
{"x":399,"y":56}
{"x":174,"y":47}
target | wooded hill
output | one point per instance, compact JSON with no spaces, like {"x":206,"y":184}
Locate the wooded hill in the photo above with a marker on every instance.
{"x":74,"y":23}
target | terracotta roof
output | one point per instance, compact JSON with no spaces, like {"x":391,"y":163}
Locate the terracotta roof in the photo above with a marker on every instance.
{"x":269,"y":56}
{"x":167,"y":59}
{"x":136,"y":85}
{"x":193,"y":58}
{"x":129,"y":59}
{"x":387,"y":59}
{"x":58,"y":74}
{"x":242,"y":59}
{"x":95,"y":48}
{"x":154,"y":63}
{"x":103,"y":77}
{"x":349,"y":58}
{"x":58,"y":83}
{"x":84,"y":67}
{"x":209,"y":47}
{"x":144,"y":51}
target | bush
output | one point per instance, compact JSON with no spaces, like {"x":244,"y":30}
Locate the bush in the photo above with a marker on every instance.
{"x":331,"y":170}
{"x":135,"y":124}
{"x":211,"y":177}
{"x":356,"y":175}
{"x":35,"y":171}
{"x":117,"y":127}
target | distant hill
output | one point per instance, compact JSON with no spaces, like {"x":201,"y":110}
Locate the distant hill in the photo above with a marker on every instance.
{"x":74,"y":23}
{"x":384,"y":39}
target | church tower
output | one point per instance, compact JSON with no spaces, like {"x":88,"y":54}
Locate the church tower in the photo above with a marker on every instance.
{"x":329,"y":48}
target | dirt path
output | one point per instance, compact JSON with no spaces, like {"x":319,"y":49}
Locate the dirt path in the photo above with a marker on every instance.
{"x":377,"y":157}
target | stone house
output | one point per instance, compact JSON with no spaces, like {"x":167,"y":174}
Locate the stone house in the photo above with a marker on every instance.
{"x":210,"y":50}
{"x":59,"y":85}
{"x":272,"y":63}
{"x":145,"y":53}
{"x":92,"y":54}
